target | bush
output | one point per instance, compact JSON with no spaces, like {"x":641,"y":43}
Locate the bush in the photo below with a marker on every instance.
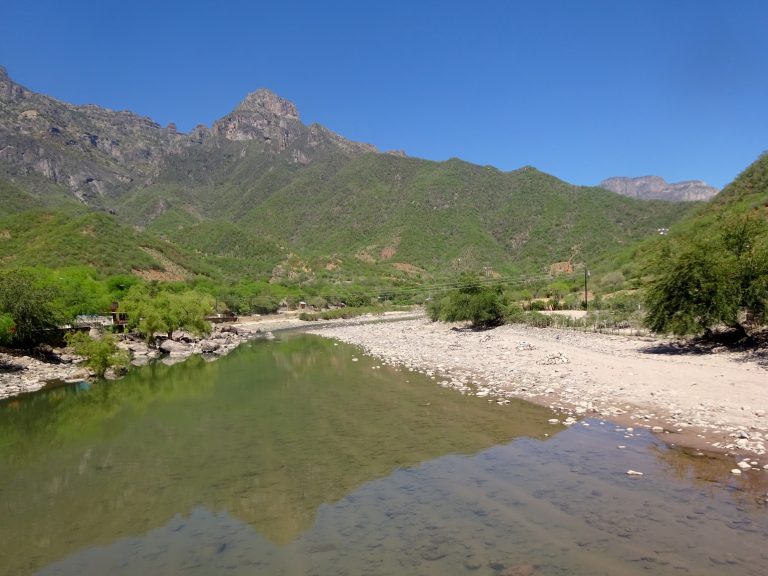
{"x":514,"y":315}
{"x":538,"y":320}
{"x":7,"y":328}
{"x":318,"y":302}
{"x":99,"y":354}
{"x":483,"y":306}
{"x":358,"y":300}
{"x":612,"y":281}
{"x":265,"y":304}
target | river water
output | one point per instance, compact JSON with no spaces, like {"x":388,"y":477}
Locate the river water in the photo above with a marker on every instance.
{"x":302,"y":456}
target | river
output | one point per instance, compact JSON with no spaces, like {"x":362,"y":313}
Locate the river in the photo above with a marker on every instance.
{"x":303,"y":456}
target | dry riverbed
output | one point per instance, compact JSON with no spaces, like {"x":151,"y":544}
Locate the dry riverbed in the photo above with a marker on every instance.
{"x":711,"y":401}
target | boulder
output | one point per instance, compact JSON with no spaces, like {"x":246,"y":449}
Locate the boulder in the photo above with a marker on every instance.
{"x":175,"y":348}
{"x":209,"y":346}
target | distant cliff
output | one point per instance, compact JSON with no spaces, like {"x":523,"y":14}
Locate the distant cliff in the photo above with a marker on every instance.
{"x":656,"y":188}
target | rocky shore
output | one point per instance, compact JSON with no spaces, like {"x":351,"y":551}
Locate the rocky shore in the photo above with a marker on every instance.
{"x":30,"y":371}
{"x":711,"y":401}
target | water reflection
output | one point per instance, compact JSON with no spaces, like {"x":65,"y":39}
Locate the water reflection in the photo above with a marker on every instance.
{"x":521,"y":509}
{"x":268,"y":435}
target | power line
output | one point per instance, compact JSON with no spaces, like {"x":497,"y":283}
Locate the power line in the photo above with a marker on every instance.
{"x":447,"y":285}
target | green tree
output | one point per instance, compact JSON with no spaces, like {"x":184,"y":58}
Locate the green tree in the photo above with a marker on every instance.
{"x":151,"y":310}
{"x":78,"y":292}
{"x":99,"y":354}
{"x":721,"y":279}
{"x":25,"y":308}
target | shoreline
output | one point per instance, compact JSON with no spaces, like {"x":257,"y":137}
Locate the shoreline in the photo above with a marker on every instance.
{"x":24,"y":372}
{"x":711,"y":402}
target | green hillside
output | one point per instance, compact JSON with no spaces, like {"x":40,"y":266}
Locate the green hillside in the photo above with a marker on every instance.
{"x":388,"y":210}
{"x":748,"y":193}
{"x":261,"y":196}
{"x":66,"y":233}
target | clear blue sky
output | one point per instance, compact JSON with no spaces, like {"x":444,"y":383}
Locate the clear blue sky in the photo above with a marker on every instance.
{"x":581,"y":89}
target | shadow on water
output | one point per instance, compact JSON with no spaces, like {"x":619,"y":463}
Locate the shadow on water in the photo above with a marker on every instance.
{"x":304,"y":457}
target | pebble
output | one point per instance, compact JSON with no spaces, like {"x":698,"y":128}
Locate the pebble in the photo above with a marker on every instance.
{"x":493,"y":363}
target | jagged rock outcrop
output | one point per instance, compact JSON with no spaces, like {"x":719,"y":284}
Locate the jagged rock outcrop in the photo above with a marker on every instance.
{"x":266,"y":117}
{"x":656,"y":188}
{"x":261,"y":116}
{"x":95,"y":152}
{"x":90,"y":150}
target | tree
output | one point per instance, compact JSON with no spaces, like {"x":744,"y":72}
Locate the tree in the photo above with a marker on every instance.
{"x":78,"y":292}
{"x":26,"y":312}
{"x":150,"y":310}
{"x":720,"y":279}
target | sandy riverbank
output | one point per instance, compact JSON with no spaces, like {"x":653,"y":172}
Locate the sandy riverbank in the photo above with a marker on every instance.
{"x":715,"y":401}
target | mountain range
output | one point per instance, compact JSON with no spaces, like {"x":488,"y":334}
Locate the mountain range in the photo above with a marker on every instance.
{"x":261,"y":194}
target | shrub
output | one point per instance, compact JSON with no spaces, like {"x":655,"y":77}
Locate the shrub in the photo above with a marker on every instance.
{"x":612,"y":281}
{"x":99,"y":354}
{"x":538,"y":320}
{"x":358,"y":300}
{"x":483,"y":306}
{"x":514,"y":315}
{"x":318,"y":302}
{"x":7,"y":328}
{"x":265,"y":304}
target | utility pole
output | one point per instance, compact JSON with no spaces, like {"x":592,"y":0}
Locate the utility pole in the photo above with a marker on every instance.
{"x":586,"y":302}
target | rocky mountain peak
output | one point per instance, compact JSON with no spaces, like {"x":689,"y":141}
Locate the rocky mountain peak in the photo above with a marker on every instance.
{"x":656,"y":188}
{"x":267,"y":102}
{"x":9,"y":90}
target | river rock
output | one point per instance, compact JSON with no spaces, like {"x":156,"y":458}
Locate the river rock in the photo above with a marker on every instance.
{"x":209,"y":346}
{"x":175,"y":348}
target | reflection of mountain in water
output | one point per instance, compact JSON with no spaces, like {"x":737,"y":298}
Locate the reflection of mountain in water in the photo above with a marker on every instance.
{"x":566,"y":507}
{"x":267,"y":435}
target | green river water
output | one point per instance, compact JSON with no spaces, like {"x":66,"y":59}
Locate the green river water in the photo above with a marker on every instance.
{"x":303,"y":456}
